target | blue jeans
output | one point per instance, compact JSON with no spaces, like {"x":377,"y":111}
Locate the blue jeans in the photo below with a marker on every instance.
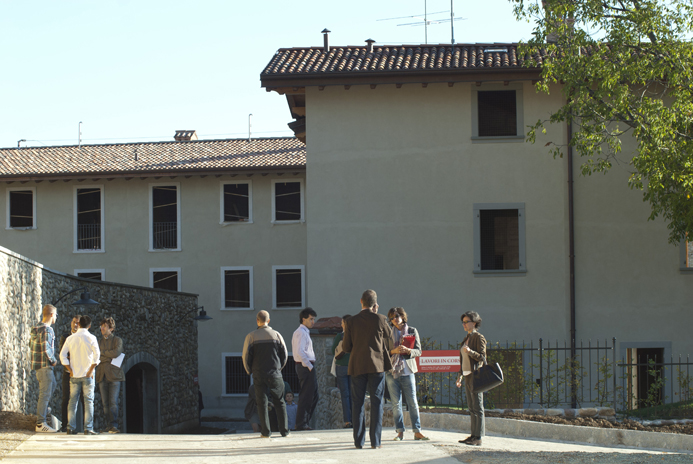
{"x":375,"y":384}
{"x":343,"y":381}
{"x":86,"y":386}
{"x":404,"y":385}
{"x":109,"y":400}
{"x":47,"y":383}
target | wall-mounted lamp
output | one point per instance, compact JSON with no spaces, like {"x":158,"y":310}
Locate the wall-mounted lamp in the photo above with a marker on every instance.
{"x":202,"y":316}
{"x":85,"y":299}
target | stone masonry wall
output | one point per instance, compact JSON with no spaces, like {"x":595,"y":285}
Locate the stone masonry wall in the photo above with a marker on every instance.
{"x":156,"y":322}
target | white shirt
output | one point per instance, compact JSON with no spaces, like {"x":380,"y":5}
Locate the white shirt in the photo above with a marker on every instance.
{"x":302,"y":347}
{"x":84,"y":351}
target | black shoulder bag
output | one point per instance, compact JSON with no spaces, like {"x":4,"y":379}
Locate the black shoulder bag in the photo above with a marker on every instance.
{"x":486,"y":377}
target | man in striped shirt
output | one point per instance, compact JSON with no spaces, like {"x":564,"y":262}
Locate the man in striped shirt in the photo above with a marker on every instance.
{"x":42,"y":345}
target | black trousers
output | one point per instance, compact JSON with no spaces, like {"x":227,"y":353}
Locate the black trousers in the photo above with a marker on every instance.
{"x":275,"y":387}
{"x":307,"y":396}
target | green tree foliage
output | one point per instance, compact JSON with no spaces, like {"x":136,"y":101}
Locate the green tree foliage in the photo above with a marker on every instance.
{"x":626,"y":71}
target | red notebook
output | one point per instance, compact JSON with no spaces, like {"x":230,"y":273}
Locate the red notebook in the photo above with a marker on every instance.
{"x":409,"y":341}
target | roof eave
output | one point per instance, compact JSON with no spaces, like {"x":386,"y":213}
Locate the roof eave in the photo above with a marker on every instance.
{"x":149,"y":174}
{"x":402,"y":77}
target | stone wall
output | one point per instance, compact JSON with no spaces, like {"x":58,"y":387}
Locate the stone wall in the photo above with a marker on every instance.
{"x":154,"y":324}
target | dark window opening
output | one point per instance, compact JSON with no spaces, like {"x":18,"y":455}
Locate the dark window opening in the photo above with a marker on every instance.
{"x":236,"y":203}
{"x":166,"y":280}
{"x":90,"y":275}
{"x":650,"y":372}
{"x":237,"y":381}
{"x":289,"y":288}
{"x":21,"y":209}
{"x":500,"y":239}
{"x":287,"y":201}
{"x":89,"y":219}
{"x":497,"y":113}
{"x":237,"y":289}
{"x":165,"y":217}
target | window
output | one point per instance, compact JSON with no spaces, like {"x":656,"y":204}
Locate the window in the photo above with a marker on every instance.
{"x":237,"y":287}
{"x":21,"y":208}
{"x":88,"y":209}
{"x":165,"y":278}
{"x":93,"y":274}
{"x":287,"y":201}
{"x":497,"y":112}
{"x":236,"y":382}
{"x":164,"y":217}
{"x":288,"y":287}
{"x":236,"y":202}
{"x":499,"y":237}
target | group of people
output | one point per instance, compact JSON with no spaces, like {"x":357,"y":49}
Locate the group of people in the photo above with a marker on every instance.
{"x":371,"y":352}
{"x":86,"y":361}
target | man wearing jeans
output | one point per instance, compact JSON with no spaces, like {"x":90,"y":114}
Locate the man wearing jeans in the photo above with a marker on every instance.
{"x":368,"y":337}
{"x":108,"y":375}
{"x":83,"y":351}
{"x":42,"y":344}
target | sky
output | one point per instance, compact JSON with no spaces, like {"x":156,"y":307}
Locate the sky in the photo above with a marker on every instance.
{"x":138,"y":70}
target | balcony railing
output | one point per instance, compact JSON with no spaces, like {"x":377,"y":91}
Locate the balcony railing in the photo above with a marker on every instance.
{"x":165,"y":235}
{"x":89,"y":236}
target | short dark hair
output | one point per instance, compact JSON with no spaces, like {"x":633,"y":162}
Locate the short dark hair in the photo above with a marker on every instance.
{"x":369,"y":298}
{"x":305,"y":314}
{"x":397,"y":310}
{"x":346,"y":316}
{"x":85,"y":322}
{"x":109,"y":321}
{"x":474,"y":317}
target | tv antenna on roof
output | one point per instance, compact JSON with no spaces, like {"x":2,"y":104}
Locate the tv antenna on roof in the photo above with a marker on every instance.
{"x":424,"y":21}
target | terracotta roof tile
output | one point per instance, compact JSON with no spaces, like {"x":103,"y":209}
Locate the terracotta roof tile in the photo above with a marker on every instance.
{"x":153,"y":157}
{"x":316,"y":61}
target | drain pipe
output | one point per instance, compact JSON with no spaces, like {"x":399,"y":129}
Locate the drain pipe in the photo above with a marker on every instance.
{"x":571,"y":256}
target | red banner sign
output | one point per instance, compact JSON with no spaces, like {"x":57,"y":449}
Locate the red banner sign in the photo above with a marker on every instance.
{"x":439,"y":361}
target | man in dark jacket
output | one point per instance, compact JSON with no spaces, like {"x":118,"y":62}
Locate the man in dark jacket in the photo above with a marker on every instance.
{"x":109,"y":374}
{"x":264,"y":356}
{"x":368,"y":337}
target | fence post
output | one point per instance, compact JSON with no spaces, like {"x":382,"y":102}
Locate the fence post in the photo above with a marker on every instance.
{"x":613,"y":362}
{"x":541,"y":372}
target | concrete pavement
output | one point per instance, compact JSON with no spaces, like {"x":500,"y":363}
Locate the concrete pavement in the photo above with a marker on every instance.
{"x":321,"y":446}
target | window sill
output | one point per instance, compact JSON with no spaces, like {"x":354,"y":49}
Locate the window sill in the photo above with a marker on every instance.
{"x":499,"y":139}
{"x":686,"y":270}
{"x":237,"y":309}
{"x":233,"y":223}
{"x":20,"y":228}
{"x":89,"y":251}
{"x":289,"y":222}
{"x":163,"y":250}
{"x":290,"y":309}
{"x":503,"y":273}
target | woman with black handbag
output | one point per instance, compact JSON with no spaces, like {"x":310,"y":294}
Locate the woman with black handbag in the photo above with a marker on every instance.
{"x":472,"y":356}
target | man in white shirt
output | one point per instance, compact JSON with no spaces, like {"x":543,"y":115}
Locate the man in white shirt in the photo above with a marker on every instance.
{"x":304,"y":356}
{"x":83,"y":350}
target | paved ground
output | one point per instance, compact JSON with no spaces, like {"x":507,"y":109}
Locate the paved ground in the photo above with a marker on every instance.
{"x":323,"y":447}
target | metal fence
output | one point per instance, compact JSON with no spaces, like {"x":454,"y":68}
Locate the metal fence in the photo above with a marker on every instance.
{"x":165,"y":235}
{"x":547,"y":375}
{"x":89,"y":236}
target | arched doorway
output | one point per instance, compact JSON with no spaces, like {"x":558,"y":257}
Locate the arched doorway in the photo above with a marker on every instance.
{"x":142,"y":394}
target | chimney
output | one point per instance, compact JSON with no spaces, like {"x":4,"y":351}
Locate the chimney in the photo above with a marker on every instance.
{"x":326,"y":39}
{"x":370,"y":43}
{"x":185,"y":135}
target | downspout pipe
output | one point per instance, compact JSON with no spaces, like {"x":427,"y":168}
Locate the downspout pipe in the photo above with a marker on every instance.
{"x":571,"y":256}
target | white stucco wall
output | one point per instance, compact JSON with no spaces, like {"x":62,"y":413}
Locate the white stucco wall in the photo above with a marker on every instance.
{"x":394,"y":176}
{"x":206,"y":246}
